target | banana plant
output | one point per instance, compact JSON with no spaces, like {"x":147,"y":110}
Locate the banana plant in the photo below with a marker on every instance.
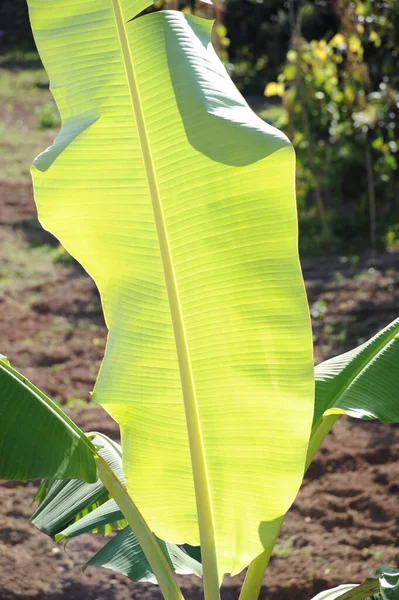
{"x":71,"y":503}
{"x":180,"y":203}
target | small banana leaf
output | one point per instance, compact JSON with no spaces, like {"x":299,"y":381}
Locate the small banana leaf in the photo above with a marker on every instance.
{"x":362,"y":383}
{"x":64,"y":502}
{"x":37,"y":439}
{"x":383,"y":585}
{"x":124,"y":555}
{"x":100,"y":518}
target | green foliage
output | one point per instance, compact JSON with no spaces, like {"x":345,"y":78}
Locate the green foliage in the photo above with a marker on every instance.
{"x":47,"y":116}
{"x":349,"y":161}
{"x":37,"y":438}
{"x":23,"y":87}
{"x":206,"y":351}
{"x":362,"y":383}
{"x":259,"y":35}
{"x":168,"y":245}
{"x":70,"y":508}
{"x":383,"y":585}
{"x":340,"y":106}
{"x":123,"y":554}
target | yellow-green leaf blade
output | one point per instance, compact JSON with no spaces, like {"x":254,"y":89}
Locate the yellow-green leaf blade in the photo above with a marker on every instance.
{"x":226,"y":186}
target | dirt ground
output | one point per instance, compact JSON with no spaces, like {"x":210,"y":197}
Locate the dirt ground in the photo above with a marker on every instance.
{"x":345,"y":521}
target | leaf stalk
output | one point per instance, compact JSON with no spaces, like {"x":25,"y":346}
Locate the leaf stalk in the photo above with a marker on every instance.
{"x":257,"y":568}
{"x":145,"y":537}
{"x":256,"y":572}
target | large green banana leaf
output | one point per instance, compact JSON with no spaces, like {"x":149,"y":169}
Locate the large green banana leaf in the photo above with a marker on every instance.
{"x":180,"y":203}
{"x":37,"y":439}
{"x":364,"y":382}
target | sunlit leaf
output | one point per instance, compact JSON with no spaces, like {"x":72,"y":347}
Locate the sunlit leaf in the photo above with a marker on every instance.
{"x":179,"y":201}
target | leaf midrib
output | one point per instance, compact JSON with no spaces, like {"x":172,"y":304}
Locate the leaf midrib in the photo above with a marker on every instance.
{"x":197,"y":451}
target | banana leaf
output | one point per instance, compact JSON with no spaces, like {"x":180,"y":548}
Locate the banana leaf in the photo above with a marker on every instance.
{"x":124,"y":555}
{"x":68,"y":501}
{"x":383,"y":585}
{"x":179,"y":202}
{"x":103,"y":517}
{"x":37,"y":439}
{"x":70,"y":508}
{"x":362,"y":383}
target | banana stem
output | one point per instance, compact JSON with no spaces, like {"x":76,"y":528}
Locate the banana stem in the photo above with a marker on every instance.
{"x":257,"y":568}
{"x":256,"y":572}
{"x":318,"y":436}
{"x":144,"y":535}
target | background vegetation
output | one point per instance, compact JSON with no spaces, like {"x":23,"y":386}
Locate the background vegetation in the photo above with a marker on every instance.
{"x":327,"y":73}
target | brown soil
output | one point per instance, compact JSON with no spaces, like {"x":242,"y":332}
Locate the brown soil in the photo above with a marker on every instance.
{"x":345,"y":521}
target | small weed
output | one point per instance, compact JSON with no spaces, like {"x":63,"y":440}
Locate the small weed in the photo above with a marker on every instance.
{"x":368,"y":275}
{"x":374,"y":553}
{"x":338,"y":277}
{"x":56,"y":368}
{"x":47,"y":116}
{"x":353,"y":261}
{"x":21,"y":91}
{"x":30,"y":263}
{"x":318,"y":309}
{"x":328,"y":329}
{"x":284,"y":549}
{"x":75,"y":403}
{"x":392,"y":238}
{"x":63,"y":257}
